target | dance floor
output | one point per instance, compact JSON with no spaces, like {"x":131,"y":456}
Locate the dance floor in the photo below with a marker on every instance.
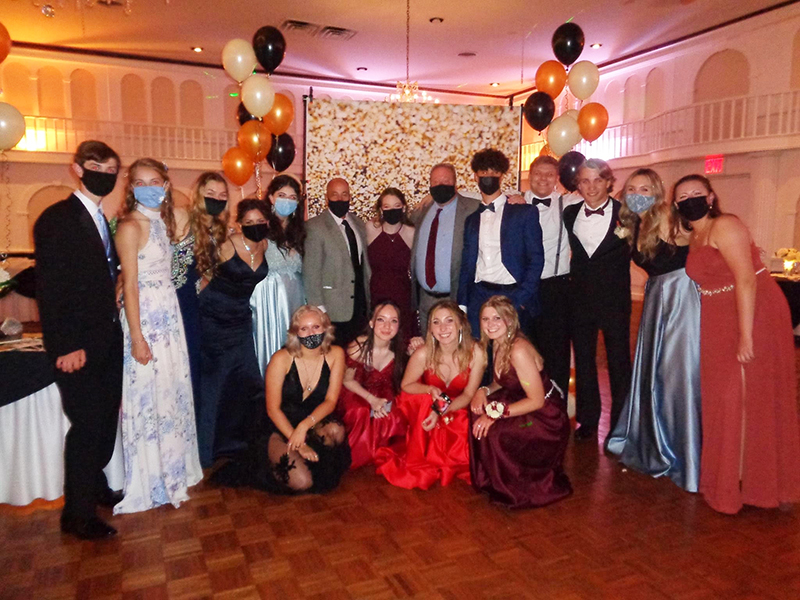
{"x":620,"y":536}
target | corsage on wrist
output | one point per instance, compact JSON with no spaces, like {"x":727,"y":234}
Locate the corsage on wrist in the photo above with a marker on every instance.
{"x":496,"y":410}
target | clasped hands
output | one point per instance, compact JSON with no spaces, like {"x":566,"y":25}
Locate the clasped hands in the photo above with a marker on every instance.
{"x":297,"y":443}
{"x":482,"y":424}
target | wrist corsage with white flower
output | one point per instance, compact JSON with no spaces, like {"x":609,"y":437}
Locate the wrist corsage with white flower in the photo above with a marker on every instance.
{"x":496,"y":410}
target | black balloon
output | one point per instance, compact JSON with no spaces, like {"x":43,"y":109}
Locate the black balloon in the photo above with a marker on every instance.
{"x":281,"y":154}
{"x":568,"y":43}
{"x":568,"y":167}
{"x":539,"y":110}
{"x":244,"y":115}
{"x":269,"y":46}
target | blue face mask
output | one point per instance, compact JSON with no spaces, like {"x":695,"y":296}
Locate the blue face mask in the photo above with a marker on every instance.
{"x":285,"y":207}
{"x":150,"y":196}
{"x":639,"y":203}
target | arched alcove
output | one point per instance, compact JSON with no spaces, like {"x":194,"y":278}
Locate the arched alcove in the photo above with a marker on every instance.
{"x":83,"y":94}
{"x":43,"y":198}
{"x":134,"y":105}
{"x":191,"y":94}
{"x":162,"y":101}
{"x":230,"y":104}
{"x":794,"y":79}
{"x":612,"y":100}
{"x":19,"y":89}
{"x":723,"y":75}
{"x":654,"y":93}
{"x":632,"y":109}
{"x":50,"y":86}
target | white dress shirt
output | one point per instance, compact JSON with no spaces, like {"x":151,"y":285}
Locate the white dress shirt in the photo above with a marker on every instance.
{"x":490,"y":267}
{"x":344,"y":235}
{"x":92,"y":208}
{"x":554,"y":234}
{"x":592,"y":230}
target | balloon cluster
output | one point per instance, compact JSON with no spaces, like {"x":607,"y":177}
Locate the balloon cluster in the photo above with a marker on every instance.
{"x":12,"y":123}
{"x":264,"y":116}
{"x":567,"y":129}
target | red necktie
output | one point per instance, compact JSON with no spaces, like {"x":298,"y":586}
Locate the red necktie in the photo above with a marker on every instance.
{"x":430,"y":257}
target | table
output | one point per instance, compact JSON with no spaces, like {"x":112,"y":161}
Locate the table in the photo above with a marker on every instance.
{"x":790,"y":286}
{"x":20,"y":304}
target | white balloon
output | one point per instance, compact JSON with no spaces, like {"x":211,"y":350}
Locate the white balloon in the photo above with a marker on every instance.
{"x":583,"y":79}
{"x":572,"y":113}
{"x":257,"y":95}
{"x":562,"y":134}
{"x":239,"y":59}
{"x":12,"y":126}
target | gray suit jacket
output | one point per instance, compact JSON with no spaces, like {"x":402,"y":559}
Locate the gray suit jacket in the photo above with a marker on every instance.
{"x":328,"y":273}
{"x":464,"y":208}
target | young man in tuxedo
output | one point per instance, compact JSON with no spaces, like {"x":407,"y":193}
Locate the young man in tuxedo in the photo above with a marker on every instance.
{"x":76,"y":269}
{"x":600,"y":295}
{"x":335,"y":267}
{"x":503,"y":251}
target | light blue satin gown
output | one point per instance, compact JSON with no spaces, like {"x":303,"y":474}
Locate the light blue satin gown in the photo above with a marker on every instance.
{"x":658,"y":432}
{"x":274,"y":300}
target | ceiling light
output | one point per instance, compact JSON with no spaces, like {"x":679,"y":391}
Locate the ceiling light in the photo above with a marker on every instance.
{"x":197,"y":49}
{"x":595,"y":46}
{"x":466,"y":54}
{"x":408,"y":91}
{"x":436,"y":20}
{"x":495,"y":84}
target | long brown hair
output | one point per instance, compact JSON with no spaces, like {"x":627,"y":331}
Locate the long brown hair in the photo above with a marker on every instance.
{"x":209,"y":232}
{"x":433,"y":349}
{"x":167,"y":206}
{"x":294,"y":236}
{"x":395,"y":345}
{"x":713,"y":212}
{"x":391,"y":191}
{"x":293,"y":345}
{"x":502,"y":347}
{"x":650,"y":221}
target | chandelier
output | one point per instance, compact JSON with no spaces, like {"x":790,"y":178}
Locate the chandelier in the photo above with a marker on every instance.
{"x":408,"y":91}
{"x":48,"y":9}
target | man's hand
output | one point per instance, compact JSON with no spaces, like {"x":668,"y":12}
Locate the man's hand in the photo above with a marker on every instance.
{"x":516,"y":199}
{"x":74,"y":361}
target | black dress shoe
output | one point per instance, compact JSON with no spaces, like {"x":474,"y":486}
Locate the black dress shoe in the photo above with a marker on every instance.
{"x":110,"y":498}
{"x":584,"y":433}
{"x":93,"y":528}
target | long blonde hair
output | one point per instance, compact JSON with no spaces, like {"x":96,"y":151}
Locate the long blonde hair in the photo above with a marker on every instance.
{"x":650,"y":221}
{"x":502,"y":347}
{"x":167,"y":206}
{"x":209,"y":232}
{"x":293,"y":344}
{"x":433,"y":350}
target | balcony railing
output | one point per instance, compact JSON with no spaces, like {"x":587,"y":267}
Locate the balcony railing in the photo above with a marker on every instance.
{"x":49,"y":134}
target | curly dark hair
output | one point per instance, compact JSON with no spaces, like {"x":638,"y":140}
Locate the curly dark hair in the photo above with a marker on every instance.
{"x":490,"y":159}
{"x":248,"y":204}
{"x":294,"y":235}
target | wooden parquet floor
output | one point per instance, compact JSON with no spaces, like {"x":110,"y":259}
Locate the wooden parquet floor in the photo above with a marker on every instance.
{"x":620,"y":536}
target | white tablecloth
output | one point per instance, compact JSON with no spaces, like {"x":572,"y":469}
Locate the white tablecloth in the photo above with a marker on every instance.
{"x":32,"y":432}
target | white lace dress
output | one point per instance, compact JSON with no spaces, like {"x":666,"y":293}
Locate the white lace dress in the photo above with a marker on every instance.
{"x":159,"y":436}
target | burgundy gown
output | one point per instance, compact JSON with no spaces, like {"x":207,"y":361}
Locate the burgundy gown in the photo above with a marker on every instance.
{"x":519,"y":463}
{"x":366,"y":434}
{"x":390,"y":260}
{"x":751,"y":446}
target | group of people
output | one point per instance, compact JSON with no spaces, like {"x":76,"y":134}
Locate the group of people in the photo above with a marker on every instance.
{"x":433,"y":343}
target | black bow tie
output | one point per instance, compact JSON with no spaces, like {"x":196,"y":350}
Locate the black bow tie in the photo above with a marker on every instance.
{"x":598,"y":211}
{"x":484,"y":207}
{"x":545,"y":201}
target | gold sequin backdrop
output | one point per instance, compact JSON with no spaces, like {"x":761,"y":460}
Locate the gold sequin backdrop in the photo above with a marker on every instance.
{"x":375,"y":145}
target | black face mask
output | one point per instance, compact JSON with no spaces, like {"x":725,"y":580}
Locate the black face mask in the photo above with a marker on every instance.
{"x":442,"y":193}
{"x":393,"y":216}
{"x":99,"y":183}
{"x":339,"y":207}
{"x":214,"y":207}
{"x":694,"y":208}
{"x":489,"y":184}
{"x":312,"y":341}
{"x":255,"y":233}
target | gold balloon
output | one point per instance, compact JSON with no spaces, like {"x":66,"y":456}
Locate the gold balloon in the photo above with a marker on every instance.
{"x":546,"y":151}
{"x":592,"y":121}
{"x":257,"y":95}
{"x":583,"y":79}
{"x":255,"y":139}
{"x":551,"y":78}
{"x":237,"y":165}
{"x":280,"y":117}
{"x":239,"y":59}
{"x":5,"y":43}
{"x":562,"y":134}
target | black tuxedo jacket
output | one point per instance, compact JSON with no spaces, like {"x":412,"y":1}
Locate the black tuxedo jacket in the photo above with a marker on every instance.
{"x":601,"y":282}
{"x":74,"y":287}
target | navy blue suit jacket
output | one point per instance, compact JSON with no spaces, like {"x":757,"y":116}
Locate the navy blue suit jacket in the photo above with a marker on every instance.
{"x":521,"y":251}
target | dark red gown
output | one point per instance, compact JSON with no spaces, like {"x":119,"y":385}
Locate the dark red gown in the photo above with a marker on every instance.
{"x":366,"y":434}
{"x":520,"y":462}
{"x":751,"y":446}
{"x":425,"y":457}
{"x":390,"y":261}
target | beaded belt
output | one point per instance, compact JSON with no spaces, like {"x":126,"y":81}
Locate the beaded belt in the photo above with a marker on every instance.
{"x":727,"y":288}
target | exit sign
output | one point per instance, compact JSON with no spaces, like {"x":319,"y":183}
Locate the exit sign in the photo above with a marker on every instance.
{"x":714,"y":164}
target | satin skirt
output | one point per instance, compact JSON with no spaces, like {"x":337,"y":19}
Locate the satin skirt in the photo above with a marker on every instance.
{"x":273,"y":303}
{"x":659,"y":430}
{"x":365,"y":433}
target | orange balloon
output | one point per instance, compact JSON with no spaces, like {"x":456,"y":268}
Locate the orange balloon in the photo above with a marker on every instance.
{"x":5,"y":43}
{"x":592,"y":121}
{"x":280,"y":115}
{"x":237,"y":165}
{"x":255,"y":139}
{"x":546,"y":151}
{"x":551,"y":77}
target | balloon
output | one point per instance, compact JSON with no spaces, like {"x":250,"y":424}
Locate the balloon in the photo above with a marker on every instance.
{"x":281,"y":155}
{"x":583,"y":79}
{"x":238,"y":59}
{"x":237,"y":165}
{"x":592,"y":121}
{"x":243,"y":116}
{"x":269,"y":46}
{"x":568,"y":168}
{"x":545,"y":151}
{"x":280,"y":116}
{"x":567,"y":43}
{"x":563,"y":134}
{"x":572,"y":113}
{"x":257,"y":95}
{"x":255,"y":139}
{"x":539,"y":110}
{"x":551,"y":78}
{"x":5,"y":43}
{"x":12,"y":126}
